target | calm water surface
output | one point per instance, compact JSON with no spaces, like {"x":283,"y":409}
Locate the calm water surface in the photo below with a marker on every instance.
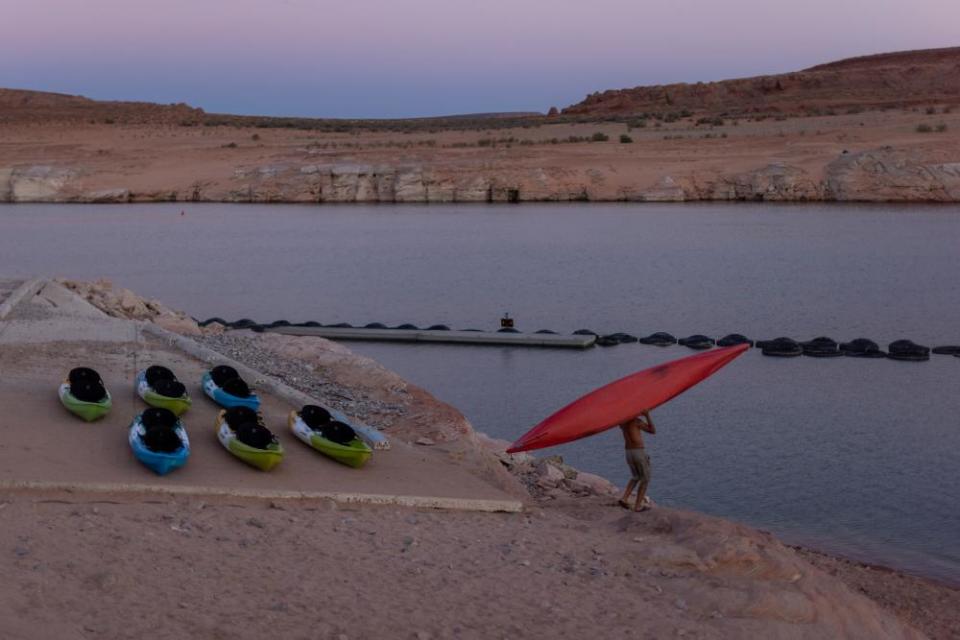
{"x":860,"y":457}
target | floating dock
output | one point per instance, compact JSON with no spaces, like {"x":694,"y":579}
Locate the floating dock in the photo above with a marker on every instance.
{"x":447,"y":337}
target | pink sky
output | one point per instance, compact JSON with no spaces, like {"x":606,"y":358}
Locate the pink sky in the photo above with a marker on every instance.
{"x":424,"y":57}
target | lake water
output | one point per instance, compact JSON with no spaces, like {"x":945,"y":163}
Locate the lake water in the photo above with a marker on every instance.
{"x":860,"y":457}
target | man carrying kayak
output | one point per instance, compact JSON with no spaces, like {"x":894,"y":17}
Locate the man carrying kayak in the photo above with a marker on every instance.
{"x":637,"y":459}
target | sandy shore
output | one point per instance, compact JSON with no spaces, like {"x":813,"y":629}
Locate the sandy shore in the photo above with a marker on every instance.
{"x":932,"y":607}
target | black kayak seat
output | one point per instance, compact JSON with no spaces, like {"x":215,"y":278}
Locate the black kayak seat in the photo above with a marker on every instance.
{"x":162,"y":439}
{"x":314,"y":416}
{"x":158,"y":417}
{"x":222,"y":373}
{"x":236,"y":387}
{"x":170,"y":388}
{"x":83,"y":374}
{"x":238,"y":415}
{"x":156,"y":372}
{"x":338,"y":432}
{"x":254,"y":434}
{"x":88,"y":390}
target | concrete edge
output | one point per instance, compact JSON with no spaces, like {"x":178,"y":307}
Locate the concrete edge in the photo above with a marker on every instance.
{"x":259,"y":379}
{"x":475,"y":338}
{"x":423,"y":502}
{"x":24,"y":292}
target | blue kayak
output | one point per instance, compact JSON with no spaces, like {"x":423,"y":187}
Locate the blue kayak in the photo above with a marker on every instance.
{"x":243,"y":396}
{"x":160,"y":462}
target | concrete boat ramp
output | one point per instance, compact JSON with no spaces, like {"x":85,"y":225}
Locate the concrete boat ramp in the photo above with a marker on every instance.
{"x":45,"y":330}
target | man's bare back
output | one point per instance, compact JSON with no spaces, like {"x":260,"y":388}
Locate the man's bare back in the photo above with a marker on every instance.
{"x":633,"y":431}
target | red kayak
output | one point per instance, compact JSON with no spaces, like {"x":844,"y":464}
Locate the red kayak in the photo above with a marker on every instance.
{"x":625,"y":399}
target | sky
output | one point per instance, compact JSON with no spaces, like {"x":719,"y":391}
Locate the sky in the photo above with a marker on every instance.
{"x":408,"y":58}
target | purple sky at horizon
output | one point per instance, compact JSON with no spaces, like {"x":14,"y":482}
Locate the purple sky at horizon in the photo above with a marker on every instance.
{"x":405,"y":58}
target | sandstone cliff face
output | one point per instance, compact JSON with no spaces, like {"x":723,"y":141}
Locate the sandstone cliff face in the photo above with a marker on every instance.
{"x":400,"y":183}
{"x":883,"y":174}
{"x":35,"y":183}
{"x":887,"y":175}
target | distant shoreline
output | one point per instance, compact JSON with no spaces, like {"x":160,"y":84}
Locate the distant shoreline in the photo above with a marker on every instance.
{"x":893,"y":156}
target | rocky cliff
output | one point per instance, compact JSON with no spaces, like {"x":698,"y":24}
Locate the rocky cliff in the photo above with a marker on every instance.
{"x":880,"y":81}
{"x":882,"y":174}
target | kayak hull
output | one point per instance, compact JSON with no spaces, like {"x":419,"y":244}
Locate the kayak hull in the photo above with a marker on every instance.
{"x":225,"y":399}
{"x":624,"y":399}
{"x":159,"y":462}
{"x":86,"y":411}
{"x":178,"y":406}
{"x":263,"y":459}
{"x":355,"y":453}
{"x":370,"y":435}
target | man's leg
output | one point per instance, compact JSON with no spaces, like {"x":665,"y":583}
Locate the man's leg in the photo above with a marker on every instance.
{"x":641,"y":494}
{"x":624,"y":501}
{"x":634,"y":478}
{"x":644,"y":465}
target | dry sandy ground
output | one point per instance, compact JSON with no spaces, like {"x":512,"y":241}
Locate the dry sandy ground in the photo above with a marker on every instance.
{"x":932,"y":607}
{"x":794,"y":158}
{"x":109,"y":567}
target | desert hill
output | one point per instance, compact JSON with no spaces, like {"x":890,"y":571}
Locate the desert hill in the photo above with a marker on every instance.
{"x":21,"y":106}
{"x":888,"y":80}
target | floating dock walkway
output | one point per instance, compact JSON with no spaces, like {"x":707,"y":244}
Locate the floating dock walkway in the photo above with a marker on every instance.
{"x":448,"y":337}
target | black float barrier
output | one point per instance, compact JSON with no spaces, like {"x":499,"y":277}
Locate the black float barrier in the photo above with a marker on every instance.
{"x":697,"y":341}
{"x":658,"y":339}
{"x":783,"y":347}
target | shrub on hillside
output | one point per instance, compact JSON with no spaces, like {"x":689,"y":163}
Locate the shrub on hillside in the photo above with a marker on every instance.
{"x":599,"y":136}
{"x":625,"y":139}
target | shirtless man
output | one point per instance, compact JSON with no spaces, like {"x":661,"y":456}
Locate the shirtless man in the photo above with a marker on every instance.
{"x":637,"y":459}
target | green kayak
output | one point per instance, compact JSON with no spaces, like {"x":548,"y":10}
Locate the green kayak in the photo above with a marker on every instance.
{"x":353,"y":452}
{"x":88,"y":411}
{"x":265,"y":458}
{"x":178,"y":405}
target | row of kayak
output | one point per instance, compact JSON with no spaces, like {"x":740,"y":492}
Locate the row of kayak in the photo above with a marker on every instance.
{"x":158,"y":437}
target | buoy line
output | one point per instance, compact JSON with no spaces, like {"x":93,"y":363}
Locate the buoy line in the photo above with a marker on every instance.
{"x":781,"y":347}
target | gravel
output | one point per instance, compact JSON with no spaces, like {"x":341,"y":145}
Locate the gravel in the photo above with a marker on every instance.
{"x":303,"y":377}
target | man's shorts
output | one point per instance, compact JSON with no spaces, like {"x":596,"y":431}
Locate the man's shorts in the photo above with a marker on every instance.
{"x":639,"y":463}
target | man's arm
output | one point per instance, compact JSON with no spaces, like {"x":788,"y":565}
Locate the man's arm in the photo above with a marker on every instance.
{"x":647,"y":423}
